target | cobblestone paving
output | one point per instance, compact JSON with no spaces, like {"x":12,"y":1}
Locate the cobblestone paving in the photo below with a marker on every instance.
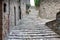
{"x":32,"y":28}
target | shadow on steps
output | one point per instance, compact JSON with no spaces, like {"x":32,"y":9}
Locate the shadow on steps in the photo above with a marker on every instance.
{"x":54,"y":26}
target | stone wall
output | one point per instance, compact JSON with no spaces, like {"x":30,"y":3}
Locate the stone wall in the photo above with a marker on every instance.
{"x":49,"y":8}
{"x":5,"y":19}
{"x":23,"y":8}
{"x":8,"y":19}
{"x":14,"y":15}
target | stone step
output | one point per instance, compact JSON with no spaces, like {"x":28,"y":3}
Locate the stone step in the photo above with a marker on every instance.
{"x":17,"y":33}
{"x":37,"y":39}
{"x":26,"y":39}
{"x":32,"y":36}
{"x":40,"y":27}
{"x":34,"y":29}
{"x":32,"y":33}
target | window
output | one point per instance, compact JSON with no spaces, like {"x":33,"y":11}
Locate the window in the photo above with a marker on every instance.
{"x":19,"y":12}
{"x":4,"y":7}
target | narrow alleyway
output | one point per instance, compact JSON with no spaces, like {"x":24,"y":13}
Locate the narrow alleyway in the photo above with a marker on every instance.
{"x":31,"y":27}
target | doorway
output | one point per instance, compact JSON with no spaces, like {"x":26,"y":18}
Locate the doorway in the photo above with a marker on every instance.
{"x":19,"y":12}
{"x":15,"y":15}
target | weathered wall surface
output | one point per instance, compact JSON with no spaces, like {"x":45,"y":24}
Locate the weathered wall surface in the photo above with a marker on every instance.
{"x":5,"y":19}
{"x":11,"y":16}
{"x":14,"y":15}
{"x":23,"y":8}
{"x":49,"y":8}
{"x":9,"y":19}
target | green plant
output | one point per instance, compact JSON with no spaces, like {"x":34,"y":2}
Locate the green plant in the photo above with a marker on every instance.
{"x":28,"y":6}
{"x":37,"y":3}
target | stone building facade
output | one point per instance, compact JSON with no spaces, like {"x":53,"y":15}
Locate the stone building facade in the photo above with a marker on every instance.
{"x":23,"y":7}
{"x":13,"y":11}
{"x":5,"y":15}
{"x":49,"y":9}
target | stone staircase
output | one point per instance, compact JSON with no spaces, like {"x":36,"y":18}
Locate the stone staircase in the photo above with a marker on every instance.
{"x":37,"y":33}
{"x":30,"y":28}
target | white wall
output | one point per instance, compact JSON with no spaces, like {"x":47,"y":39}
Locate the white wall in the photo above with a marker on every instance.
{"x":32,"y":3}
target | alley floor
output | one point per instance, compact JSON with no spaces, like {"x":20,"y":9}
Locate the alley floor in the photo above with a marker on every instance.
{"x":31,"y":27}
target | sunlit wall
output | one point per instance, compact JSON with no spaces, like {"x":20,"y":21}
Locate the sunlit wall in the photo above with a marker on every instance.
{"x":32,"y":2}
